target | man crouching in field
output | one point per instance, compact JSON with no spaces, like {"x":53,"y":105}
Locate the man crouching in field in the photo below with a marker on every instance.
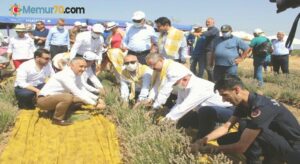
{"x":266,"y":127}
{"x":64,"y":89}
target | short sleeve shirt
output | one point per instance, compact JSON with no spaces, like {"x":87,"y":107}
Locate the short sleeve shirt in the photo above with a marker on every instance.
{"x":226,"y":50}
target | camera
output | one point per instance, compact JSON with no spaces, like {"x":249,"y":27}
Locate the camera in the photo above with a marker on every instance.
{"x":284,"y":4}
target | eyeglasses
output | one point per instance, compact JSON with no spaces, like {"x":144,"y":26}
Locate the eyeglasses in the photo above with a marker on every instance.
{"x":130,"y":62}
{"x":137,"y":21}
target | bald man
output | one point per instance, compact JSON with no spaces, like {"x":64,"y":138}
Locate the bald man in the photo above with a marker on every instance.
{"x":211,"y":33}
{"x":135,"y":78}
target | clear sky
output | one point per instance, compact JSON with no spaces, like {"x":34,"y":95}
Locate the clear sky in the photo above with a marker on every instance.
{"x":240,"y":14}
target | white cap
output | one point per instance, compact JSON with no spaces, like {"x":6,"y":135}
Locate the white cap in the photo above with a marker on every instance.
{"x":83,"y":24}
{"x":138,"y":15}
{"x":89,"y":55}
{"x":195,"y":26}
{"x":77,"y":23}
{"x":3,"y":60}
{"x":98,"y":28}
{"x":258,"y":31}
{"x":111,"y":25}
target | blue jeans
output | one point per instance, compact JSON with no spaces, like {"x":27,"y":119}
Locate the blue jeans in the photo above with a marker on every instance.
{"x":200,"y":61}
{"x":221,"y":71}
{"x":258,"y":63}
{"x":25,"y":97}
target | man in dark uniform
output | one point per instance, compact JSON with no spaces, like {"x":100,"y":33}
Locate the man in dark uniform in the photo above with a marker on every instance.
{"x":266,"y":127}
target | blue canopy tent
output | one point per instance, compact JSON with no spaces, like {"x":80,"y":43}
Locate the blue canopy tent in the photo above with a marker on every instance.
{"x":9,"y":21}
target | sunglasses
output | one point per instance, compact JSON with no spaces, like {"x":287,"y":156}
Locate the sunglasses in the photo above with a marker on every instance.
{"x":130,"y":62}
{"x":137,"y":21}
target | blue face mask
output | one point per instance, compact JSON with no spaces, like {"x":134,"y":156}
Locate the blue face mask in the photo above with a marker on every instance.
{"x":226,"y":34}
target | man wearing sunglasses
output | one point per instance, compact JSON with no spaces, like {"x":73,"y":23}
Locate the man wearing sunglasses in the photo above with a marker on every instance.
{"x":31,"y":77}
{"x":135,"y":77}
{"x":140,"y":38}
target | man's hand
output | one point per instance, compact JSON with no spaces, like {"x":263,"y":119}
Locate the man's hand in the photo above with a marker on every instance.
{"x":199,"y":143}
{"x":210,"y":149}
{"x":238,"y":60}
{"x":100,"y":105}
{"x":102,"y":92}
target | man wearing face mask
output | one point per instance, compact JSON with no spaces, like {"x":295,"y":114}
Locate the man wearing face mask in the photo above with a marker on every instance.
{"x":89,"y":41}
{"x":139,"y":38}
{"x":58,"y":40}
{"x":135,"y":77}
{"x":172,"y":43}
{"x":226,"y":53}
{"x":197,"y":104}
{"x":164,"y":77}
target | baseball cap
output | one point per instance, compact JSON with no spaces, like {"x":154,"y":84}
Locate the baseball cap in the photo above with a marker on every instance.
{"x":226,"y":28}
{"x":83,"y":24}
{"x":138,"y":15}
{"x":77,"y":23}
{"x":258,"y":31}
{"x":98,"y":28}
{"x":197,"y":26}
{"x":89,"y":55}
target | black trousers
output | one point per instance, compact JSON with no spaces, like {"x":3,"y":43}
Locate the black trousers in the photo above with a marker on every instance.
{"x":141,"y":56}
{"x":280,"y":61}
{"x":26,"y":98}
{"x":270,"y":144}
{"x":209,"y":66}
{"x":57,"y":49}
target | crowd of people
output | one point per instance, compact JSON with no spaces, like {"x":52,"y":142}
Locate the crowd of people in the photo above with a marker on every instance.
{"x":57,"y":70}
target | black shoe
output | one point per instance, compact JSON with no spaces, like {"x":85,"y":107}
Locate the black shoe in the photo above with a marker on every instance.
{"x":62,"y":122}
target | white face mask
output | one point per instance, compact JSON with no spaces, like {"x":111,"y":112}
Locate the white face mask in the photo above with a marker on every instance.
{"x":95,"y":36}
{"x":138,"y":25}
{"x":60,"y":27}
{"x":131,"y":67}
{"x":226,"y":34}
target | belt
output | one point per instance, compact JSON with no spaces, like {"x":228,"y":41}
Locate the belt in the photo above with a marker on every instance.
{"x":141,"y":52}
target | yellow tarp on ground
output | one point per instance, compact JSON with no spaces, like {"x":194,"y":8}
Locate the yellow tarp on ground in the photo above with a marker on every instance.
{"x":36,"y":141}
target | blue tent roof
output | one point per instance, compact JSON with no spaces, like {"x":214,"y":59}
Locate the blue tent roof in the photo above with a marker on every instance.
{"x":68,"y":21}
{"x":48,"y":21}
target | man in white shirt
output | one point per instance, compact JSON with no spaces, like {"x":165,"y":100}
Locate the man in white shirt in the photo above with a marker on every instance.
{"x":65,"y":89}
{"x":165,"y":76}
{"x":139,"y":38}
{"x":89,"y":80}
{"x":31,"y":77}
{"x":21,"y":47}
{"x":197,"y":105}
{"x":89,"y":41}
{"x":280,"y":55}
{"x":135,"y":78}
